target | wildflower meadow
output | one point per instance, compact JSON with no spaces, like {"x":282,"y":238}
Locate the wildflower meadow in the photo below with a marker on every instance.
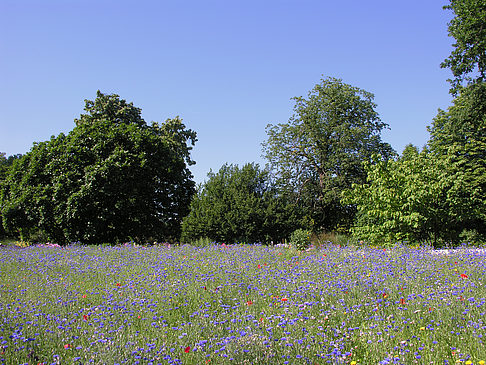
{"x":241,"y":304}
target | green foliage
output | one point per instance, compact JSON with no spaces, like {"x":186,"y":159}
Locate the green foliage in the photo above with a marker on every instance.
{"x":108,"y":180}
{"x":419,"y":197}
{"x":468,"y":27}
{"x":202,"y":242}
{"x":239,"y":205}
{"x":459,"y":135}
{"x":5,"y":163}
{"x":338,"y":238}
{"x":300,"y":239}
{"x":320,"y":151}
{"x":472,"y":237}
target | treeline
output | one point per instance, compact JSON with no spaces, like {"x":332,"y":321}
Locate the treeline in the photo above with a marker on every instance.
{"x":115,"y":178}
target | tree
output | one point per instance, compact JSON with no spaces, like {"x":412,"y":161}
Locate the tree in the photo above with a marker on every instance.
{"x":320,"y":151}
{"x":111,"y":179}
{"x":468,"y":59}
{"x":417,"y":198}
{"x":459,"y":135}
{"x":5,"y":163}
{"x":238,"y":205}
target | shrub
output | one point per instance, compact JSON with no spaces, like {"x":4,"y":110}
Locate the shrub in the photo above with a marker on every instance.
{"x":300,"y":239}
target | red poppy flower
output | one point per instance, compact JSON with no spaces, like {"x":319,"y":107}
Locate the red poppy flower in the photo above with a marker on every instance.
{"x":187,"y":349}
{"x":464,"y":276}
{"x":402,"y":301}
{"x":66,"y":346}
{"x":259,"y":267}
{"x":85,"y":317}
{"x":249,"y":302}
{"x":284,"y":299}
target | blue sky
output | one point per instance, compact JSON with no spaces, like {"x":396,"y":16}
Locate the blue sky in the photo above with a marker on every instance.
{"x":228,"y":68}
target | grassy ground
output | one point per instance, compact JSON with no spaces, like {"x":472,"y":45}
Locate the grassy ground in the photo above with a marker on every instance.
{"x":241,"y":305}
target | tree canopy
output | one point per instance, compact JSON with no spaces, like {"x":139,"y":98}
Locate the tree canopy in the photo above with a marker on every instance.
{"x":419,"y":197}
{"x":459,"y":135}
{"x":239,"y":205}
{"x":5,"y":163}
{"x":467,"y":60}
{"x":113,"y":178}
{"x":320,"y":151}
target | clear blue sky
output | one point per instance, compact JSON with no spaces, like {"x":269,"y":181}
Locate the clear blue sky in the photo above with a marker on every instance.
{"x":228,"y":68}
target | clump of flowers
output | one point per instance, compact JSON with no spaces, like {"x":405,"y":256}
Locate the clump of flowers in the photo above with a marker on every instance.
{"x":300,"y":239}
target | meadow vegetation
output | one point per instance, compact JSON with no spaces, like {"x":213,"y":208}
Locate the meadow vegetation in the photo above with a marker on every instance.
{"x":241,"y":304}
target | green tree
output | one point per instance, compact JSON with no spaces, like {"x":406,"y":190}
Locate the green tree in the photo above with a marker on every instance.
{"x":108,"y":180}
{"x":417,"y":198}
{"x":320,"y":151}
{"x":5,"y":163}
{"x":459,"y":135}
{"x":239,"y":205}
{"x":468,"y":59}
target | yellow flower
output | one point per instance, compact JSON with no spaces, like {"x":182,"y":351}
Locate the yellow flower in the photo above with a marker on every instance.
{"x":482,"y":362}
{"x":353,"y":362}
{"x":468,"y":362}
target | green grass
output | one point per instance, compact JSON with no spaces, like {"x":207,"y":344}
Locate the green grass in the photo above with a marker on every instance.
{"x":240,"y":304}
{"x":11,"y":242}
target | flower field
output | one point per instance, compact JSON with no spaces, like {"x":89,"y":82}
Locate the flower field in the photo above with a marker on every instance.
{"x":241,"y":304}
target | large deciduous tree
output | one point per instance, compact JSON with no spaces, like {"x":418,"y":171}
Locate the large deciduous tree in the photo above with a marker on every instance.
{"x":112,"y":178}
{"x":467,"y":61}
{"x":320,"y":151}
{"x":459,"y":135}
{"x":239,"y":205}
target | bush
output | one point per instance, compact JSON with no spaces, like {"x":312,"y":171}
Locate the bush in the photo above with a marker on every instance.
{"x":300,"y":239}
